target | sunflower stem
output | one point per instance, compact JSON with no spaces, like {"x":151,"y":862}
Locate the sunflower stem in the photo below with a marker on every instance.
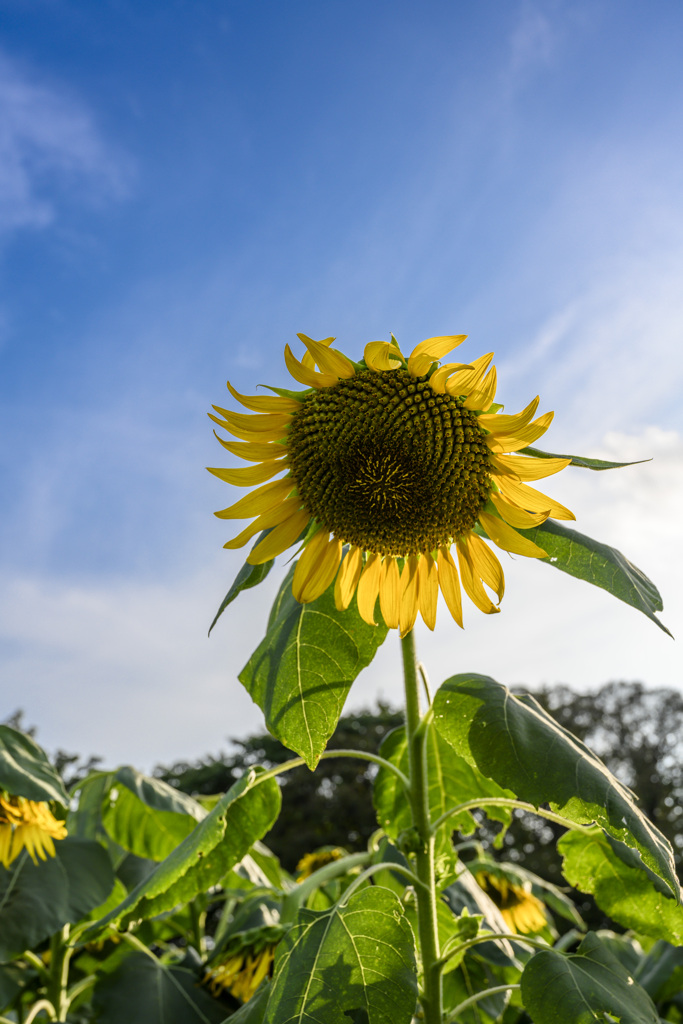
{"x":417,"y":732}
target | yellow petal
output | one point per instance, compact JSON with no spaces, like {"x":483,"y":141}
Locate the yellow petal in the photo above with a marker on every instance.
{"x":368,"y":589}
{"x":316,"y":568}
{"x":248,"y":475}
{"x":305,"y":375}
{"x":515,"y":516}
{"x":279,"y":539}
{"x":347,"y":578}
{"x":264,"y":403}
{"x":307,"y":359}
{"x":260,"y":437}
{"x":496,"y":423}
{"x":526,"y":467}
{"x":502,"y":443}
{"x":471,"y":581}
{"x":261,"y":500}
{"x":486,"y":564}
{"x":253,"y":452}
{"x":531,"y":499}
{"x":449,"y":582}
{"x":390,"y":592}
{"x":431,"y":349}
{"x":255,"y":424}
{"x":464,"y":381}
{"x":329,"y":360}
{"x":410,"y":579}
{"x":438,"y":379}
{"x":265,"y":521}
{"x":508,"y":539}
{"x":483,"y":397}
{"x":428,"y":589}
{"x":382,"y":356}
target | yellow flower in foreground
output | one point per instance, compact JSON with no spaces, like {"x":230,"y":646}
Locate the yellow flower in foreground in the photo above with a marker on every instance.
{"x":521,"y":910}
{"x":27,"y":824}
{"x":311,"y":862}
{"x":399,"y":459}
{"x":242,"y":973}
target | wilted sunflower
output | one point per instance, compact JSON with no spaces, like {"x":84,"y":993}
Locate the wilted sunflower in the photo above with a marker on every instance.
{"x":521,"y":910}
{"x":398,"y":459}
{"x":27,"y":824}
{"x":242,"y":972}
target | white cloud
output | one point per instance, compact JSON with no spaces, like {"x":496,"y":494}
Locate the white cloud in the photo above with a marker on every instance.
{"x":48,"y":141}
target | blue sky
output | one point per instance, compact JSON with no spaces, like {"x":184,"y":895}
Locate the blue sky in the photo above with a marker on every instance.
{"x":184,"y":186}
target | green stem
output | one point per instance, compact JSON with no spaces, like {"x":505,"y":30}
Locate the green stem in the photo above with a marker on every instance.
{"x":81,"y":986}
{"x":60,"y":955}
{"x":198,"y":919}
{"x":503,"y":801}
{"x":476,"y":997}
{"x":296,"y":898}
{"x":416,"y":735}
{"x":491,"y":937}
{"x":384,"y":866}
{"x":30,"y":957}
{"x":296,"y":762}
{"x":42,"y":1004}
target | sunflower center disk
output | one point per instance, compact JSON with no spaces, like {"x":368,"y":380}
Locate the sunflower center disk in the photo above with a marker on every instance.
{"x":386,"y":464}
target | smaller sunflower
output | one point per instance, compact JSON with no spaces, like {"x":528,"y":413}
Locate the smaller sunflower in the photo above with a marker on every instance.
{"x":382,"y":467}
{"x":311,"y":862}
{"x":242,"y":972}
{"x":521,"y":910}
{"x":27,"y":824}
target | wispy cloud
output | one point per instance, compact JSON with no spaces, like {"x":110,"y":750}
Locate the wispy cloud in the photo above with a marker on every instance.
{"x":50,"y":142}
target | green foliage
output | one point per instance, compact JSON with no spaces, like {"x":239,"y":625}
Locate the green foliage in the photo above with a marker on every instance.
{"x":25,"y":770}
{"x":301,"y":673}
{"x":579,"y":460}
{"x":249,"y":576}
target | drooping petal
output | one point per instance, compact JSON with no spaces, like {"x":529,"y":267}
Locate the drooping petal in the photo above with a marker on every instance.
{"x":471,"y":580}
{"x":428,"y":590}
{"x":531,"y":499}
{"x":497,"y":423}
{"x":438,"y":379}
{"x":305,"y":375}
{"x":259,"y":423}
{"x":508,"y":539}
{"x":347,"y":578}
{"x":258,"y":501}
{"x":253,"y":451}
{"x":516,"y":516}
{"x":317,"y":567}
{"x":390,"y":592}
{"x":410,"y":579}
{"x":526,"y":467}
{"x":502,"y":443}
{"x":249,"y":436}
{"x":465,"y":381}
{"x":449,"y":581}
{"x":248,"y":475}
{"x":382,"y":356}
{"x":264,"y":403}
{"x":486,"y":564}
{"x":280,"y":538}
{"x":367,"y":591}
{"x":329,"y":360}
{"x":483,"y":397}
{"x":307,"y":359}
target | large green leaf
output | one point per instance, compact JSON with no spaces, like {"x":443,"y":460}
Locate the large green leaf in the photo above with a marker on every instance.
{"x":25,"y":770}
{"x":579,"y":460}
{"x":142,"y":990}
{"x":354,"y":958}
{"x":582,"y":987}
{"x":302,"y":671}
{"x":243,"y":815}
{"x":515,"y":742}
{"x":146,"y":816}
{"x":36,"y":900}
{"x":451,"y":780}
{"x":599,"y":564}
{"x":614,"y":875}
{"x":249,"y":576}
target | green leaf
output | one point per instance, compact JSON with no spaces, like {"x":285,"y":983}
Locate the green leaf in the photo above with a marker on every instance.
{"x":25,"y":770}
{"x":626,"y":891}
{"x":301,"y":673}
{"x":578,"y":460}
{"x":583,"y":987}
{"x":515,"y":742}
{"x":243,"y":815}
{"x":451,"y":780}
{"x":254,"y":1011}
{"x":146,"y":816}
{"x":599,"y":564}
{"x":249,"y":576}
{"x":357,"y":957}
{"x":142,"y":990}
{"x":10,"y":984}
{"x":36,"y":900}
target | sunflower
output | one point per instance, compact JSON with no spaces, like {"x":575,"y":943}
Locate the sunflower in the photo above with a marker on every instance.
{"x":521,"y":910}
{"x":27,"y":824}
{"x":388,"y":463}
{"x":311,"y":862}
{"x":242,"y":972}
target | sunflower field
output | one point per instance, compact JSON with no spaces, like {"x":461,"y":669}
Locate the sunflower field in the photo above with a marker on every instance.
{"x":125,"y":901}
